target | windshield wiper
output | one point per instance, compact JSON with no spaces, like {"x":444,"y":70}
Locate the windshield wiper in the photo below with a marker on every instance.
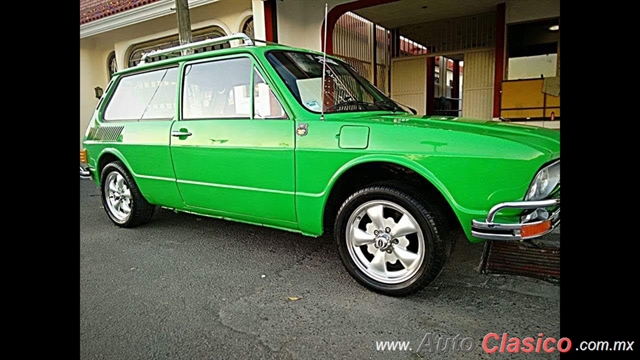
{"x":388,"y":104}
{"x":359,"y":103}
{"x":395,"y":106}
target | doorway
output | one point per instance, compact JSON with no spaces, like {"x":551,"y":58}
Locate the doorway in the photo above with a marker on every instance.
{"x":447,"y":73}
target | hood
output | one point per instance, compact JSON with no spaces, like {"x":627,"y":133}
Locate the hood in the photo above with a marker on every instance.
{"x":544,"y":140}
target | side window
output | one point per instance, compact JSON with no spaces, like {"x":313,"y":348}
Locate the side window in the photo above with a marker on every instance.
{"x":146,"y":96}
{"x":217,"y":89}
{"x":266,"y":105}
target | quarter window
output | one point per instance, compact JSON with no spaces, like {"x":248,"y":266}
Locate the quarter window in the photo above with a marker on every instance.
{"x":147,"y":96}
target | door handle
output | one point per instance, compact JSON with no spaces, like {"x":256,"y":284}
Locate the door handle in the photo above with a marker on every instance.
{"x":181,"y":133}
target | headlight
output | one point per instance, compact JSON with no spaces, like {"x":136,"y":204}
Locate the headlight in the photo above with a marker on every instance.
{"x":545,"y":181}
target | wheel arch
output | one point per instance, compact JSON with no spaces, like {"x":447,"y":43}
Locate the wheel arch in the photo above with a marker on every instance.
{"x":385,"y":168}
{"x":108,"y":155}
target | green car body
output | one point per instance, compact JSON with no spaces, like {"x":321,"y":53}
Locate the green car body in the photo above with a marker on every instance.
{"x":290,"y":173}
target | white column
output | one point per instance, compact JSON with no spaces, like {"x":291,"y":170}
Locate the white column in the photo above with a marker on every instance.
{"x":259,"y":31}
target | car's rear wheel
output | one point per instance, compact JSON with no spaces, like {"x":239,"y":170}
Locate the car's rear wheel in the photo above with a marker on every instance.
{"x":390,"y":241}
{"x":121,"y":197}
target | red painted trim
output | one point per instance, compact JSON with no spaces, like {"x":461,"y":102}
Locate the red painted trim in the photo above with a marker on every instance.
{"x":339,"y":10}
{"x":268,"y":19}
{"x":499,"y":69}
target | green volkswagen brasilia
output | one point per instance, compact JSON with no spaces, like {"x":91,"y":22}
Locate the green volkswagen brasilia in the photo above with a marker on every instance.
{"x":257,"y":134}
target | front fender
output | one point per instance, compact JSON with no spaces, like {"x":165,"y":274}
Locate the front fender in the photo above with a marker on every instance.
{"x":311,"y":206}
{"x":396,"y":160}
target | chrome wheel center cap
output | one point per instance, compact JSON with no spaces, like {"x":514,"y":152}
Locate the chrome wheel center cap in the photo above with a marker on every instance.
{"x":383,"y":242}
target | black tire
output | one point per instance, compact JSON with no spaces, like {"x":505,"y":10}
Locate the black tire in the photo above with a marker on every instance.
{"x":140,"y":209}
{"x":432,"y":225}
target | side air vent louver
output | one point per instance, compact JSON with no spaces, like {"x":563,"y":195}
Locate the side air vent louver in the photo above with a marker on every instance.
{"x":105,"y":133}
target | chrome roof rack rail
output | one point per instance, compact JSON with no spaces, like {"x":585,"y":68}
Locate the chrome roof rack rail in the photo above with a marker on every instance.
{"x":208,"y":42}
{"x":267,"y":42}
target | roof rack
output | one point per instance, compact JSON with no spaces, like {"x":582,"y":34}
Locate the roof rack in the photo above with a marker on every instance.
{"x":268,"y":42}
{"x":203,"y":43}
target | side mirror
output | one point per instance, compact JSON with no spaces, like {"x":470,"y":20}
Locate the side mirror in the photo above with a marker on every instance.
{"x":98,"y":91}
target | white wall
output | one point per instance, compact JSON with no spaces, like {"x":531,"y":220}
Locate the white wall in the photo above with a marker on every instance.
{"x":527,"y":10}
{"x":300,"y":22}
{"x":93,"y":72}
{"x":258,"y":20}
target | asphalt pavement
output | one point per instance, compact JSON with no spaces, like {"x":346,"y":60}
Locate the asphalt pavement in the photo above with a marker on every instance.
{"x":190,"y":287}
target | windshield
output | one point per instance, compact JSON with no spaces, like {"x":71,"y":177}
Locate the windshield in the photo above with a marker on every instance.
{"x":344,"y":90}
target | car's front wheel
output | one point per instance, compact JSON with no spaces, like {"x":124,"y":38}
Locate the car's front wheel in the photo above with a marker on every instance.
{"x":391,"y":241}
{"x":121,"y":197}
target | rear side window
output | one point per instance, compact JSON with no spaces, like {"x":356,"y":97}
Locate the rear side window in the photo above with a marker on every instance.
{"x":147,"y":96}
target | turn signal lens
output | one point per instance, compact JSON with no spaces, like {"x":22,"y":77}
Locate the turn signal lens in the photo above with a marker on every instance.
{"x":83,"y":156}
{"x":535,"y":229}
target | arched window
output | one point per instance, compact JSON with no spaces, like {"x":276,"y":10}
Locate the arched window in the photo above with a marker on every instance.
{"x":112,"y":65}
{"x":247,"y":27}
{"x":136,"y":51}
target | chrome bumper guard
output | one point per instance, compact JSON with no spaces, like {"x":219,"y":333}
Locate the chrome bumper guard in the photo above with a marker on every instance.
{"x":491,"y":230}
{"x":84,"y":173}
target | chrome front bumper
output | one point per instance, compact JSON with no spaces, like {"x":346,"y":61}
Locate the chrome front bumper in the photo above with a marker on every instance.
{"x":524,"y":230}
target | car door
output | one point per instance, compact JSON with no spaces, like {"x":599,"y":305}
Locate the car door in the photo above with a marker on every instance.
{"x":233,"y":146}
